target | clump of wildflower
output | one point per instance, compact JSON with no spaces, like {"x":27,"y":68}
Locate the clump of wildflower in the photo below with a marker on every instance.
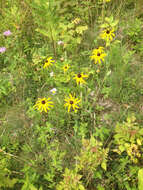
{"x":72,"y":102}
{"x":80,"y":78}
{"x":66,"y":67}
{"x":98,"y":55}
{"x":2,"y":49}
{"x":53,"y":91}
{"x":134,"y":153}
{"x":107,"y":34}
{"x":43,"y":104}
{"x":49,"y":62}
{"x":7,"y":33}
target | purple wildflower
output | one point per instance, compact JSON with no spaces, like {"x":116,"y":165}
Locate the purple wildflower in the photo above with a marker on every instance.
{"x":7,"y":33}
{"x":2,"y":49}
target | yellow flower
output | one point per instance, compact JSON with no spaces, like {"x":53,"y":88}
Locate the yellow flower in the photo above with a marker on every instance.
{"x":98,"y":55}
{"x":134,"y":153}
{"x":80,"y":78}
{"x":48,"y":62}
{"x":76,"y":21}
{"x":43,"y":104}
{"x":107,"y":34}
{"x":106,"y":0}
{"x":66,"y":67}
{"x":98,"y":50}
{"x":71,"y":102}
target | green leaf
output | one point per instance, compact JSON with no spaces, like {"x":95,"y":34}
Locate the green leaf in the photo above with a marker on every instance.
{"x":139,"y":142}
{"x":32,"y":187}
{"x":99,"y":187}
{"x":104,"y":166}
{"x":81,"y":187}
{"x":140,"y":179}
{"x":122,"y":148}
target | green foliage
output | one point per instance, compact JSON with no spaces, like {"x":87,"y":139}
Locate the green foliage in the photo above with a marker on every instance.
{"x":99,"y":146}
{"x":5,"y":172}
{"x":91,"y":156}
{"x":140,"y":179}
{"x":128,"y":137}
{"x":71,"y":181}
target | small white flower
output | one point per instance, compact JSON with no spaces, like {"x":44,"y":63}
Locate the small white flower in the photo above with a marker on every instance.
{"x":51,"y":74}
{"x":60,"y":43}
{"x":53,"y":91}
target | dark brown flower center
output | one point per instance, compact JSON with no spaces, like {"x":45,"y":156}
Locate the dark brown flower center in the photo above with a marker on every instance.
{"x":98,"y":54}
{"x":107,"y":31}
{"x":43,"y":102}
{"x":79,"y":75}
{"x":65,"y":67}
{"x":71,"y":102}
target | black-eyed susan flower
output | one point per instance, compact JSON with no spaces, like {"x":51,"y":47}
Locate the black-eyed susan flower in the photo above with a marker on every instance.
{"x":80,"y":78}
{"x":72,"y":102}
{"x":66,"y":67}
{"x":107,"y":34}
{"x":43,"y":104}
{"x":98,"y":55}
{"x":98,"y":50}
{"x":49,"y":62}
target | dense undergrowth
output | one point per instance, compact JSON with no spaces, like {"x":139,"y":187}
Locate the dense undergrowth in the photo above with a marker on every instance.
{"x":71,"y":95}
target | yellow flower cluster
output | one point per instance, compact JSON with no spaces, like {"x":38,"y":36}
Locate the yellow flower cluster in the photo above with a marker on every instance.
{"x":98,"y":56}
{"x":134,"y":153}
{"x":44,"y":104}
